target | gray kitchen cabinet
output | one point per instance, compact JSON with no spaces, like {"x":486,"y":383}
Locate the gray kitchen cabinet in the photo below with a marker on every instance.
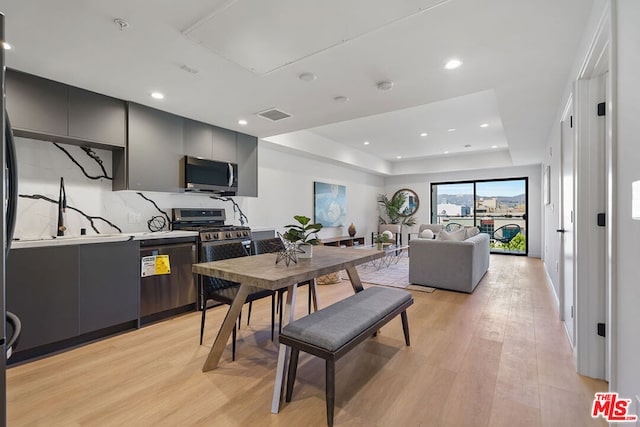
{"x":247,"y":149}
{"x":108,"y":284}
{"x":62,"y":292}
{"x":154,"y":151}
{"x":209,"y":142}
{"x":36,"y":106}
{"x":224,"y":145}
{"x":43,"y":109}
{"x":97,"y":118}
{"x":198,"y":139}
{"x":42,"y":290}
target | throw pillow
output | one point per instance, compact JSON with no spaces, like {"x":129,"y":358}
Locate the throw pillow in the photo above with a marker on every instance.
{"x":388,"y":234}
{"x":471,"y":231}
{"x":426,"y":234}
{"x":458,"y":235}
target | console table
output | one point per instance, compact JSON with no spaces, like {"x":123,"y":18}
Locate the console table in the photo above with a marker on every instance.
{"x":342,"y":241}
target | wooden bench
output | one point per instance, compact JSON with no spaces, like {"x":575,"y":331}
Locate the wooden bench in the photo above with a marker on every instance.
{"x":333,"y":331}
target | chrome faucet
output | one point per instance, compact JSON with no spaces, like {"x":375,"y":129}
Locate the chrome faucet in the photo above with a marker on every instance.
{"x":62,"y":208}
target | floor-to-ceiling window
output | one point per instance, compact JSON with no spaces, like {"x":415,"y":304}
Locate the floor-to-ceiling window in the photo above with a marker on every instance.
{"x":496,"y":207}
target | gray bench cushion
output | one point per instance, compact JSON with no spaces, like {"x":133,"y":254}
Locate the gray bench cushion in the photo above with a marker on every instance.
{"x":334,"y":326}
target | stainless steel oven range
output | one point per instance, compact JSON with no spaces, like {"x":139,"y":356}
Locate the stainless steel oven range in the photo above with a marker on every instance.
{"x":209,"y":223}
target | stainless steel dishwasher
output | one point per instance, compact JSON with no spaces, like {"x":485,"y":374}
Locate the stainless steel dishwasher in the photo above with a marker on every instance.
{"x":165,"y":295}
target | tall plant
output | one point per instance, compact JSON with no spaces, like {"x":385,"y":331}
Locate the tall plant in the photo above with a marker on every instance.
{"x":392,"y":210}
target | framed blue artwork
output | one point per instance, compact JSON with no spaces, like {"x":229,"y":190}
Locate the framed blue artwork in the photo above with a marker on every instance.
{"x":330,"y":204}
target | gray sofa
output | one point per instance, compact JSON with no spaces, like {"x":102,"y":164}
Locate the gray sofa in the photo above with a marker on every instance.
{"x":447,"y":264}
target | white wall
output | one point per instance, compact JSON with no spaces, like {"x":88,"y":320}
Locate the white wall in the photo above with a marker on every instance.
{"x":627,"y":231}
{"x":421,"y":184}
{"x":285,"y":189}
{"x":551,"y":219}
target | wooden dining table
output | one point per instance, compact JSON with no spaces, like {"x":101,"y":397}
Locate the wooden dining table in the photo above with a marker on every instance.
{"x":263,"y":272}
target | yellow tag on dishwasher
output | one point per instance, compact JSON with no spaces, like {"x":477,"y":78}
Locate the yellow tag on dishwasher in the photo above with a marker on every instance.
{"x":163,"y":266}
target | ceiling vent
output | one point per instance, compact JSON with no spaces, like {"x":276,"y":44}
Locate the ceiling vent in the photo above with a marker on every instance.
{"x":273,"y":114}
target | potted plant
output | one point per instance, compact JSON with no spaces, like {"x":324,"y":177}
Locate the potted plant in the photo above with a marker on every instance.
{"x":301,"y":234}
{"x":380,"y":239}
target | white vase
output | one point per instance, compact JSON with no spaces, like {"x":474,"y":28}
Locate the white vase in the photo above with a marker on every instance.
{"x":307,"y":251}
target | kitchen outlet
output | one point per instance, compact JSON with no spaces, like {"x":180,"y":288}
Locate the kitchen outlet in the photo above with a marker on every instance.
{"x":134,"y":217}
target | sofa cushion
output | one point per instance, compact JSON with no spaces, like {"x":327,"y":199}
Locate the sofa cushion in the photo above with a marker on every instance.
{"x":426,"y":234}
{"x":458,"y":235}
{"x":471,"y":231}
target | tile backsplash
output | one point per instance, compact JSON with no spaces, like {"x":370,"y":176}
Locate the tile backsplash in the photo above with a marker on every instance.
{"x":40,"y":166}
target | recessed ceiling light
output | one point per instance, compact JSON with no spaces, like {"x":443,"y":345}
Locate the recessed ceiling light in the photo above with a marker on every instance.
{"x":366,"y":143}
{"x":452,"y":64}
{"x":341,"y":98}
{"x":484,"y":125}
{"x":494,"y":146}
{"x":446,"y":152}
{"x":242,"y":122}
{"x":424,"y":134}
{"x":157,"y":95}
{"x":451,"y":130}
{"x":398,"y":157}
{"x":307,"y":77}
{"x":6,"y":46}
{"x":384,"y":85}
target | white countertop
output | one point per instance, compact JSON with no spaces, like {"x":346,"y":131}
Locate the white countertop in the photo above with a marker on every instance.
{"x":99,"y":238}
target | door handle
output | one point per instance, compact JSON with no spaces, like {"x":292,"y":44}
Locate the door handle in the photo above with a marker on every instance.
{"x":562,"y":230}
{"x":230,"y":174}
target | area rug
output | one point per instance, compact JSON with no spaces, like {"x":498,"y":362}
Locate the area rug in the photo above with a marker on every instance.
{"x":395,"y":275}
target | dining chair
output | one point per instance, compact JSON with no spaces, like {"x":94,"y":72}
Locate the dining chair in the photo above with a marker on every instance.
{"x":225,"y":291}
{"x":272,"y":245}
{"x":506,"y":233}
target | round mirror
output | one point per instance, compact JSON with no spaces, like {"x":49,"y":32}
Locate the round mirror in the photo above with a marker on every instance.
{"x":410,"y":204}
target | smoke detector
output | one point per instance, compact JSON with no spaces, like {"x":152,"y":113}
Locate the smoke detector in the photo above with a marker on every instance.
{"x":385,"y":85}
{"x":121,"y":23}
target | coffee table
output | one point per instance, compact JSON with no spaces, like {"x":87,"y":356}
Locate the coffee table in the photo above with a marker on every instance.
{"x":392,"y":254}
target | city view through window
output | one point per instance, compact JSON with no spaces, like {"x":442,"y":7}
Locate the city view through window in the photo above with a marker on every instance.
{"x":497,"y":208}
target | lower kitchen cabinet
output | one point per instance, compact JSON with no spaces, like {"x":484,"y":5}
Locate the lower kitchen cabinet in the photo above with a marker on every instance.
{"x":108,"y":294}
{"x":64,"y":293}
{"x":42,"y":290}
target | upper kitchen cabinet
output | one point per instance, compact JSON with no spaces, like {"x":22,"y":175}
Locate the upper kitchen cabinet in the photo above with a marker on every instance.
{"x":198,"y":139}
{"x":97,"y":118}
{"x":209,"y":142}
{"x":36,"y":106}
{"x":224,"y":145}
{"x":43,"y":109}
{"x":247,"y":152}
{"x":154,"y":151}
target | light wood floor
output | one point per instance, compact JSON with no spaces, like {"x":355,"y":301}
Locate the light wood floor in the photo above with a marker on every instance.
{"x":498,"y":357}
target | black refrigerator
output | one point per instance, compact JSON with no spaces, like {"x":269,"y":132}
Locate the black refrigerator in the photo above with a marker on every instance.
{"x":8,"y":196}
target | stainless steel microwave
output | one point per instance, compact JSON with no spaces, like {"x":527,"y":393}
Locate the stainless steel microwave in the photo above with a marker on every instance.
{"x":209,"y":176}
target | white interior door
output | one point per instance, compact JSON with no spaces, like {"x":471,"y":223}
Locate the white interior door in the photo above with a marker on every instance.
{"x":565,"y":232}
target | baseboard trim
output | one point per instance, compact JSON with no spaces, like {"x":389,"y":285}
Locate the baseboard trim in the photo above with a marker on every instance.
{"x":552,"y":288}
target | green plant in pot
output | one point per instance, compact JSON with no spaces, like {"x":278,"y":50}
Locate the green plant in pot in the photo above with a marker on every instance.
{"x":303,"y":234}
{"x":380,"y":239}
